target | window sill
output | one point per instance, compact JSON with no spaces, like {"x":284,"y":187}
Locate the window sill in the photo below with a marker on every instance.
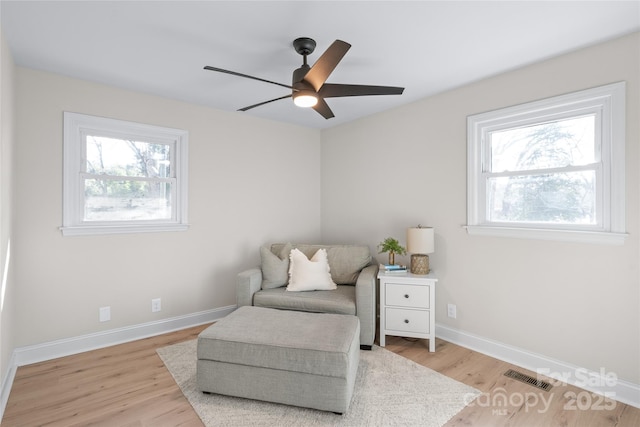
{"x":92,"y":230}
{"x":598,"y":237}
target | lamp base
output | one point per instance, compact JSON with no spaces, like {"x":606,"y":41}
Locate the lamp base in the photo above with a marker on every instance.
{"x":420,"y":264}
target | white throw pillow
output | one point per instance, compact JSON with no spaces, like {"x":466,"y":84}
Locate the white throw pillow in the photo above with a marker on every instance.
{"x":309,"y":275}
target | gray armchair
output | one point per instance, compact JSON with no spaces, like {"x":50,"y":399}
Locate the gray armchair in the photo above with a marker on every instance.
{"x":351,"y":269}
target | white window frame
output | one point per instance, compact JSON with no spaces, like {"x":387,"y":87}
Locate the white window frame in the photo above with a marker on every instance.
{"x":607,"y":103}
{"x":76,"y":126}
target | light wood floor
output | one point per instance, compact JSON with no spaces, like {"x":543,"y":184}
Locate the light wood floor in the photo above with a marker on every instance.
{"x":128,"y":385}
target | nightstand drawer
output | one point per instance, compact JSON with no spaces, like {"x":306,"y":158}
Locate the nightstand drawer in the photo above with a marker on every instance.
{"x":397,"y":319}
{"x":416,"y":296}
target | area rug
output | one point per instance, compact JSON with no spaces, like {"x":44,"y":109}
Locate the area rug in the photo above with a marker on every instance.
{"x":389,"y":390}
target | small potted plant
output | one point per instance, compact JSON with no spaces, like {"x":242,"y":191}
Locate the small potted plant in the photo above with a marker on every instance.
{"x":392,"y":246}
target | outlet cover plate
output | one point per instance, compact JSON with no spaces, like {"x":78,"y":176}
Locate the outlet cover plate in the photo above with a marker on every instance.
{"x":451,"y":310}
{"x":105,"y":314}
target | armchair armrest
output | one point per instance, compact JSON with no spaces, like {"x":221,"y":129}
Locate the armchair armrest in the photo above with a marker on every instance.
{"x":247,"y":284}
{"x":366,"y":304}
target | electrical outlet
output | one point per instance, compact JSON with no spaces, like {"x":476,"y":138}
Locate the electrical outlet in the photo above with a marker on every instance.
{"x":451,"y":310}
{"x":105,"y":314}
{"x":156,"y":305}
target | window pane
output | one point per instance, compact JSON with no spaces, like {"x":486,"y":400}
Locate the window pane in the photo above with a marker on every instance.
{"x":564,"y":198}
{"x":118,"y":157}
{"x":561,"y":143}
{"x":111,"y":200}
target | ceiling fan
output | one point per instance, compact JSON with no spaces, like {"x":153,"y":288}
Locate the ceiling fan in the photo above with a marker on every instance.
{"x":308,"y":87}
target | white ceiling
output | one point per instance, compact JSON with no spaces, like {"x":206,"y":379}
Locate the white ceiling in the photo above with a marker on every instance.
{"x":425,"y":46}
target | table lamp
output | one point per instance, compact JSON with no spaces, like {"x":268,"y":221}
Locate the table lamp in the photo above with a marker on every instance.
{"x":420,"y":242}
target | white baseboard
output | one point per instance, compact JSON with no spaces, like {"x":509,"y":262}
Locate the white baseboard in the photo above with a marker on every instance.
{"x":602,"y":383}
{"x":7,"y":382}
{"x":66,"y":347}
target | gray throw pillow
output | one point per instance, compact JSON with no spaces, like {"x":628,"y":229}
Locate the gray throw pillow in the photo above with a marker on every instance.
{"x":275,"y":268}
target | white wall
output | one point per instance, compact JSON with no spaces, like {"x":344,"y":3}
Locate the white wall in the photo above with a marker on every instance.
{"x":577,"y":303}
{"x":251,"y":181}
{"x":7,"y":287}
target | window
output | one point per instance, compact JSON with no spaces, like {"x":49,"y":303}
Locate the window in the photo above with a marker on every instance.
{"x":551,"y":169}
{"x":122,"y":177}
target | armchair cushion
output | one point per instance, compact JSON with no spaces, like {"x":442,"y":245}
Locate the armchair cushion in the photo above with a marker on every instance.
{"x":340,"y":301}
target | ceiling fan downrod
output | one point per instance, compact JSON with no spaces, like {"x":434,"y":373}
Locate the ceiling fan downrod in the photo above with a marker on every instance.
{"x":304,"y":46}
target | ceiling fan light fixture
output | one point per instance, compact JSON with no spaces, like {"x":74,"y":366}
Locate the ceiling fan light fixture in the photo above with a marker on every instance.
{"x":305,"y":98}
{"x":309,"y":88}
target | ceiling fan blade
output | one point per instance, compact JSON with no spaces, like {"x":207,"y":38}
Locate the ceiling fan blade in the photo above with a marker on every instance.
{"x":329,"y":90}
{"x":265,"y":102}
{"x":233,"y":73}
{"x":327,"y":62}
{"x":322,"y":108}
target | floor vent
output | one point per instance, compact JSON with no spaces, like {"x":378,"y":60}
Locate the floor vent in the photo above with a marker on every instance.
{"x":542,"y":385}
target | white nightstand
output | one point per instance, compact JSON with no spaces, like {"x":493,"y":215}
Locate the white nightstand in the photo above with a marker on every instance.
{"x":407,"y":306}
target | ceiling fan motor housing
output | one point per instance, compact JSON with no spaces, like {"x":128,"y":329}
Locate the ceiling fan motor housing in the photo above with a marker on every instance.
{"x":297,"y":80}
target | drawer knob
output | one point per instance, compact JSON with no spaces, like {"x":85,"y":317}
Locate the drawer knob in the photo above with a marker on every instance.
{"x":406,"y":295}
{"x":406,"y":320}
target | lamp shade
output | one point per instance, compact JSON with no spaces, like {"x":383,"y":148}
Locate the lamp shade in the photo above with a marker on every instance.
{"x":420,"y":240}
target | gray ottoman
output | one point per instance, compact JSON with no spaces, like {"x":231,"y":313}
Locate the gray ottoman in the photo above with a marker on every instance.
{"x":295,"y":358}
